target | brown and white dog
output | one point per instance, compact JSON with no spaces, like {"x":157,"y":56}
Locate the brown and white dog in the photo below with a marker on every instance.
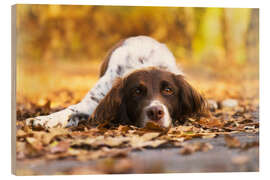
{"x":139,"y":83}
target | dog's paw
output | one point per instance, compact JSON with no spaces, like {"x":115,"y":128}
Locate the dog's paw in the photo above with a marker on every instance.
{"x":38,"y":122}
{"x":74,"y":119}
{"x":57,"y":119}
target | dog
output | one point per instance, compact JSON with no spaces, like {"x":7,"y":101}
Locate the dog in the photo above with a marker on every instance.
{"x":139,"y":83}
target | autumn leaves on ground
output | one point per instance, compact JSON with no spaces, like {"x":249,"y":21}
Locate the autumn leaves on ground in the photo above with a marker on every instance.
{"x":59,"y":49}
{"x":233,"y":100}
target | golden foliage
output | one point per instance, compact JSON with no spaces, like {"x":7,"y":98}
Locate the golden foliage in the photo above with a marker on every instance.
{"x":61,"y":32}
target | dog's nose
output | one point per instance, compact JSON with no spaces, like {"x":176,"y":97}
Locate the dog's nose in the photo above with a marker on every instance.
{"x":155,"y":113}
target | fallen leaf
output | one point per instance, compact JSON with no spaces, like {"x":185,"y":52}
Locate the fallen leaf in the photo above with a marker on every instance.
{"x":123,"y":129}
{"x":232,"y":142}
{"x":211,"y":122}
{"x":249,"y":145}
{"x":189,"y":148}
{"x":115,"y":166}
{"x":155,"y":127}
{"x":37,"y":145}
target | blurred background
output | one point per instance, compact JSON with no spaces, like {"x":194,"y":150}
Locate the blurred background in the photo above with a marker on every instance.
{"x":60,"y":47}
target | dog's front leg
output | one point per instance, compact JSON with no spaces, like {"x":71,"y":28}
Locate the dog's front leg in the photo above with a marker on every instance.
{"x":57,"y":119}
{"x":73,"y":114}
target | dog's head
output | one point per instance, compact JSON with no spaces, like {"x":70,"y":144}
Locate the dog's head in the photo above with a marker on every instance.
{"x":149,"y":95}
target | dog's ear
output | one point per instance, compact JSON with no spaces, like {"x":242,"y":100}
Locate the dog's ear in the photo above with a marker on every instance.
{"x":191,"y":103}
{"x":110,"y":108}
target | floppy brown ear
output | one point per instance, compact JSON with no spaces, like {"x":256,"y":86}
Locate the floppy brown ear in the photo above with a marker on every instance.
{"x":109,"y":108}
{"x":191,"y":102}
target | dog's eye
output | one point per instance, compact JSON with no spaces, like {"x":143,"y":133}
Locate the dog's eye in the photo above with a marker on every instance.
{"x":167,"y":91}
{"x":137,"y":91}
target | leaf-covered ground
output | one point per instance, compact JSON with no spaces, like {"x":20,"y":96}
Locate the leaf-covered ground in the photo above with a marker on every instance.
{"x":232,"y":129}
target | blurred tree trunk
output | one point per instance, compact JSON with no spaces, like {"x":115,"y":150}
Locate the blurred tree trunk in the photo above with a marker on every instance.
{"x":189,"y":30}
{"x":228,"y":42}
{"x":252,"y":37}
{"x":185,"y":25}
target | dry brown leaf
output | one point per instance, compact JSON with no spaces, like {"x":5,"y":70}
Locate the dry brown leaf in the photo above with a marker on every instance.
{"x":101,"y":153}
{"x":37,"y":145}
{"x":232,"y":142}
{"x":211,"y":122}
{"x":194,"y":147}
{"x":187,"y":150}
{"x":145,"y":140}
{"x":155,"y":127}
{"x":123,"y":129}
{"x":115,"y":166}
{"x":249,"y":145}
{"x":99,"y":141}
{"x":21,"y":133}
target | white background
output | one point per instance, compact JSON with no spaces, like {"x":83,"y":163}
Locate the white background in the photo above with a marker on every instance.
{"x":5,"y":84}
